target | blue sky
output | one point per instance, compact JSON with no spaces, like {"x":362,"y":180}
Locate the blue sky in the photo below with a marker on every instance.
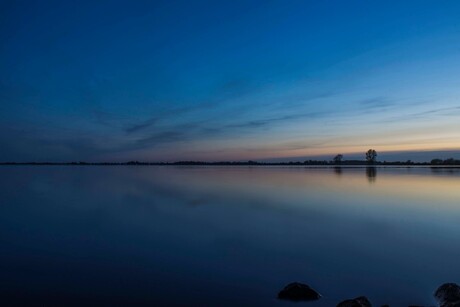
{"x":227,"y":80}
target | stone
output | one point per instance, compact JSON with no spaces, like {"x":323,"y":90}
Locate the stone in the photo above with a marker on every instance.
{"x":298,"y":292}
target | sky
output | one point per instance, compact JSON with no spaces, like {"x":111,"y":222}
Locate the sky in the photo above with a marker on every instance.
{"x":228,"y":80}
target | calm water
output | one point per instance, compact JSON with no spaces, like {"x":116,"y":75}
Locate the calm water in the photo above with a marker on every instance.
{"x":225,"y":236}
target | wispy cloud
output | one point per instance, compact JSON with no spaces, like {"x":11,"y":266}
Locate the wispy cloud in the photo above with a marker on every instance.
{"x":424,"y":114}
{"x":163,"y":137}
{"x":250,"y":124}
{"x":141,"y":126}
{"x":377,"y":103}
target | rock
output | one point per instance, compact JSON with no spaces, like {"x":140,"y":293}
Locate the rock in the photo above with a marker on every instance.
{"x":448,"y":295}
{"x":361,"y":301}
{"x":298,"y":292}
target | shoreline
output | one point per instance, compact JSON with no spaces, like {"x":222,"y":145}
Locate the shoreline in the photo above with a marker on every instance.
{"x":236,"y":164}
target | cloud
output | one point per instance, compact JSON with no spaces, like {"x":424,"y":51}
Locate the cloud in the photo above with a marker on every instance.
{"x":376,"y":103}
{"x":250,"y":124}
{"x":433,"y":112}
{"x":442,"y":111}
{"x":165,"y":116}
{"x":204,"y":129}
{"x":139,"y":127}
{"x":228,"y":89}
{"x":163,"y":137}
{"x":253,"y":124}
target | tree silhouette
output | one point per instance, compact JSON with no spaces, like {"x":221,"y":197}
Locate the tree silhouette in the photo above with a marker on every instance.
{"x":371,"y":156}
{"x":338,"y":159}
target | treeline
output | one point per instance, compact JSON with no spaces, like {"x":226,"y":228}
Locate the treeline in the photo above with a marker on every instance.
{"x":370,"y":160}
{"x":434,"y":162}
{"x":450,"y":161}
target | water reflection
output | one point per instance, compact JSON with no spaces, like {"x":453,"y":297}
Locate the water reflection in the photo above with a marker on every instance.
{"x":225,"y":236}
{"x":371,"y":173}
{"x":445,"y":170}
{"x":338,"y":170}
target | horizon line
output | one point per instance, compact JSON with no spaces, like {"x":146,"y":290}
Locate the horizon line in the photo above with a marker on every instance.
{"x":435,"y":161}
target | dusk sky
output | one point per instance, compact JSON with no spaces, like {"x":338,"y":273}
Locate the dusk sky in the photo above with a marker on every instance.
{"x":227,"y":80}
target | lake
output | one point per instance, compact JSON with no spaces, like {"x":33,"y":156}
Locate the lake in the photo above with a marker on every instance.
{"x":225,"y":236}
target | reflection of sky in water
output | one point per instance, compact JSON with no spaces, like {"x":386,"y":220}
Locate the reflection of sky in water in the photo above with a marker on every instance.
{"x":223,"y":236}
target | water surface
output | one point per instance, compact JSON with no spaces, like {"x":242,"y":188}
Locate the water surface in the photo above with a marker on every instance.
{"x":225,"y":236}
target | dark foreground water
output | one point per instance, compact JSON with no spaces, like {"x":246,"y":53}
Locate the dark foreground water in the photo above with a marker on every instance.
{"x":225,"y":236}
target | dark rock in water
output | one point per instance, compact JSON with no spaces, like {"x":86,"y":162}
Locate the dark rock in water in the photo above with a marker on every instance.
{"x":298,"y":292}
{"x":448,"y":295}
{"x":361,"y":301}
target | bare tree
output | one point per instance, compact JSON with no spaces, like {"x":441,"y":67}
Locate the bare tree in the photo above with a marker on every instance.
{"x":371,"y":156}
{"x":338,"y":159}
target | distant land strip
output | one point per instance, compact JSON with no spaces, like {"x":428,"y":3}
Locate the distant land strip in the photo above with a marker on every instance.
{"x":434,"y":162}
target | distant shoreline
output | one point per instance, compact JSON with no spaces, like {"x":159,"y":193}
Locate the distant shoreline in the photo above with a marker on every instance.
{"x":313,"y":164}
